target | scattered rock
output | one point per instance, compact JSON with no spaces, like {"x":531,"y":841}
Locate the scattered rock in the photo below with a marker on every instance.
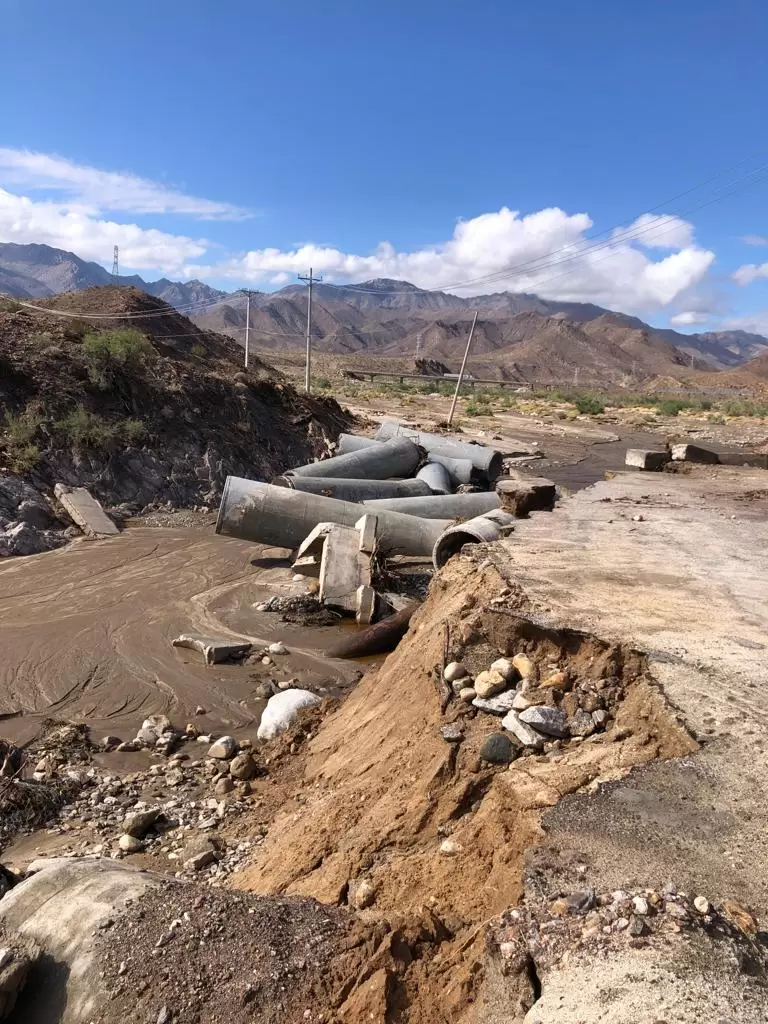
{"x":640,"y":904}
{"x":224,"y":748}
{"x":701,"y":903}
{"x":581,"y":724}
{"x":130,"y":844}
{"x":498,"y":749}
{"x":242,"y":767}
{"x":452,"y":732}
{"x":557,"y":681}
{"x":524,"y":665}
{"x":362,"y":894}
{"x":580,"y":902}
{"x":498,"y":705}
{"x":527,"y":736}
{"x":224,"y":786}
{"x":140,"y":822}
{"x":600,"y":718}
{"x":164,"y":1016}
{"x":110,"y":743}
{"x":488,"y":684}
{"x":740,"y":916}
{"x":505,"y":668}
{"x":637,"y":926}
{"x":200,"y":852}
{"x":152,"y":729}
{"x":520,"y":703}
{"x":277,"y":648}
{"x":467,"y":694}
{"x":454,"y":671}
{"x":450,"y":848}
{"x":551,"y":721}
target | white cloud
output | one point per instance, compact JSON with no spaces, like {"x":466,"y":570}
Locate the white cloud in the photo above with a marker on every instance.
{"x":688,"y":318}
{"x":544,"y":252}
{"x":105,"y":190}
{"x":755,"y":323}
{"x":658,"y":231}
{"x":749,"y":272}
{"x":755,"y":239}
{"x":77,"y":229}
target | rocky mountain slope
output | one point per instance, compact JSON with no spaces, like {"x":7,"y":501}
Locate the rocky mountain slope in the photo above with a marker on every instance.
{"x":389,"y":317}
{"x":141,"y":410}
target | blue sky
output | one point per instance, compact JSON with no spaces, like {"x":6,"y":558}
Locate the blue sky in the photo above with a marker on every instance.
{"x":240,"y":141}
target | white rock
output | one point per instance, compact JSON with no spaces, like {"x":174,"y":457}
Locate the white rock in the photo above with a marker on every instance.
{"x":467,"y":694}
{"x":5,"y":957}
{"x":640,"y":903}
{"x":520,"y":703}
{"x":277,"y":648}
{"x":524,"y":665}
{"x":505,"y":668}
{"x":702,"y":904}
{"x":281,"y":711}
{"x":450,"y":848}
{"x":454,"y":671}
{"x":130,"y":844}
{"x":551,"y":721}
{"x":498,"y":705}
{"x":527,"y":736}
{"x":224,"y":748}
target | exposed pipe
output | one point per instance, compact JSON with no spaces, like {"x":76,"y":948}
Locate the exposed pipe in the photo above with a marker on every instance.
{"x":282,"y":517}
{"x":396,"y":458}
{"x":482,"y":530}
{"x":356,"y":490}
{"x":487,"y":460}
{"x":354,"y":443}
{"x":377,"y":639}
{"x":460,"y":470}
{"x":439,"y":506}
{"x":436,"y":477}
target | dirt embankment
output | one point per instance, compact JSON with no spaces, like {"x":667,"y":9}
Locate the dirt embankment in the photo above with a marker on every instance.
{"x":437,"y":835}
{"x":141,"y":409}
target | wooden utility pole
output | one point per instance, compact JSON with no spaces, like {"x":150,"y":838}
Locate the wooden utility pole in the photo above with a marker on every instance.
{"x":461,"y":371}
{"x":308,"y":368}
{"x":247,"y":323}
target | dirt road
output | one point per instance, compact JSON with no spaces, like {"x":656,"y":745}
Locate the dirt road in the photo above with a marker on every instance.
{"x":86,"y":632}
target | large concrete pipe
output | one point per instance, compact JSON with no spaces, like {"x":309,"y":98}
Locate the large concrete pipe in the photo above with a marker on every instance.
{"x":460,"y":470}
{"x":354,"y":443}
{"x":396,"y":458}
{"x":282,"y":517}
{"x":486,"y":460}
{"x":356,"y":490}
{"x":438,"y":506}
{"x":482,"y":530}
{"x":436,"y":477}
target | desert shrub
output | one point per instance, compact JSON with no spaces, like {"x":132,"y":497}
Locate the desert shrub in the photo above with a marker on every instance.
{"x":589,"y":405}
{"x":133,"y":431}
{"x":9,"y":305}
{"x":672,"y":406}
{"x":83,"y":429}
{"x":41,"y":339}
{"x":104,"y":352}
{"x":322,"y":382}
{"x":198,"y":350}
{"x":20,"y":431}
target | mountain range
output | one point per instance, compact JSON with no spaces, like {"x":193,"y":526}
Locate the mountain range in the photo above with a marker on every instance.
{"x":518,"y":336}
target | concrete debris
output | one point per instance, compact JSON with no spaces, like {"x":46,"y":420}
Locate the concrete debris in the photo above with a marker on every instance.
{"x":436,"y":477}
{"x":440,"y":506}
{"x":522,"y":494}
{"x":213,"y":651}
{"x":282,"y":710}
{"x":484,"y":529}
{"x":85,"y":510}
{"x":355,"y":490}
{"x":650,"y":461}
{"x":692,"y":453}
{"x":486,"y":460}
{"x":399,"y":457}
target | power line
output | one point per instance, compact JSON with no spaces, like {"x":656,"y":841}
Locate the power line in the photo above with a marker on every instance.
{"x":308,"y":368}
{"x":115,"y":263}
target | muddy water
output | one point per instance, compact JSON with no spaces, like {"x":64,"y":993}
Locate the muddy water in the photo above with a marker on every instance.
{"x":86,"y":631}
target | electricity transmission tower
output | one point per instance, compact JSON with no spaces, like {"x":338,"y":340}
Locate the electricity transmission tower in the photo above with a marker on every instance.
{"x":247,"y":323}
{"x":115,"y":261}
{"x":310,"y":279}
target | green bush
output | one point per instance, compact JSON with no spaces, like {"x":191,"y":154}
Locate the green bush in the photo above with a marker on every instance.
{"x":672,"y":406}
{"x":589,"y":405}
{"x":103,"y":352}
{"x":134,"y":431}
{"x":83,"y":429}
{"x":20,"y":430}
{"x":322,"y":382}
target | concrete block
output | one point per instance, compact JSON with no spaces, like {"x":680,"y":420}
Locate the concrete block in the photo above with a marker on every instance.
{"x":366,"y":527}
{"x":639,"y":458}
{"x":308,"y":566}
{"x":85,"y":511}
{"x":343,"y":569}
{"x":692,"y":453}
{"x":212,"y":650}
{"x":522,"y":494}
{"x":314,"y":542}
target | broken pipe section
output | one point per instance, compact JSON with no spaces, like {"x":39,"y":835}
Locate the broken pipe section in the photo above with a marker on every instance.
{"x":487,"y":461}
{"x":396,"y":458}
{"x":282,"y":517}
{"x":355,"y":490}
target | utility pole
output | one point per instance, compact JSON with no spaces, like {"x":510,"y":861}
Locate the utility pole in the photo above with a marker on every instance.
{"x":115,"y":262}
{"x":461,"y":371}
{"x":247,"y":322}
{"x":308,"y":369}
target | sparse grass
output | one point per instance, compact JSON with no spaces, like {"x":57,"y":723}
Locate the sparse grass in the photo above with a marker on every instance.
{"x":134,"y":431}
{"x":323,"y":383}
{"x":83,"y":429}
{"x":198,"y":350}
{"x":9,"y":305}
{"x":21,"y":431}
{"x":42,"y":339}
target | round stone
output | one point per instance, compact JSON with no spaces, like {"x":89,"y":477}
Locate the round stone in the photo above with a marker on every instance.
{"x":498,"y":748}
